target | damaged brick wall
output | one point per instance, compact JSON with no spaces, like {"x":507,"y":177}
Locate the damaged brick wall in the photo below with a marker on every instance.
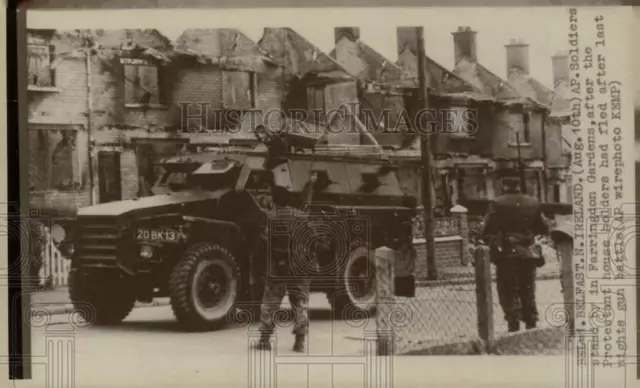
{"x":129,"y":174}
{"x":448,"y":254}
{"x":195,"y":86}
{"x":112,"y":114}
{"x":385,"y":116}
{"x":507,"y":122}
{"x":554,"y":144}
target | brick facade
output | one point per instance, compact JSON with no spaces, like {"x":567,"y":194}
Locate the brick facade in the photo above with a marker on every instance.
{"x":448,"y":254}
{"x":464,"y":162}
{"x":116,"y":121}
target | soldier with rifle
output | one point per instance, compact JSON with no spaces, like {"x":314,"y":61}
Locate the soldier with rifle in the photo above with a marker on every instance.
{"x":510,"y":228}
{"x":281,"y":279}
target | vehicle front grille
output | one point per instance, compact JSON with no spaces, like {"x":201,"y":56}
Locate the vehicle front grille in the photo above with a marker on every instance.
{"x":97,"y":243}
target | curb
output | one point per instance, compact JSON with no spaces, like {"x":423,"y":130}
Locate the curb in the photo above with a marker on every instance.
{"x":472,"y":280}
{"x":504,"y":344}
{"x":57,"y":309}
{"x":468,"y":347}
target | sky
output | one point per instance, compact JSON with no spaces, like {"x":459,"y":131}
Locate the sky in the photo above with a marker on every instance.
{"x":545,"y":29}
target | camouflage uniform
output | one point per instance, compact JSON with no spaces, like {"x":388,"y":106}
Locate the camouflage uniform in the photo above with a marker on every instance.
{"x":296,"y":285}
{"x":511,"y":226}
{"x":281,"y":277}
{"x":274,"y":292}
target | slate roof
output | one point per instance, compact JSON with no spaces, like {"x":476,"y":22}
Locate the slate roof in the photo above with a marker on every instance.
{"x":391,"y":70}
{"x":311,"y":59}
{"x":231,"y":48}
{"x":557,"y":100}
{"x":379,"y":64}
{"x":492,"y":85}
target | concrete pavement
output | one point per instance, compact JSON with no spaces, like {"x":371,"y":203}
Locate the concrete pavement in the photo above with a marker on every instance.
{"x":148,"y":349}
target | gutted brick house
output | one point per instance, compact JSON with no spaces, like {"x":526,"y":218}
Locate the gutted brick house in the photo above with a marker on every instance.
{"x":514,"y":116}
{"x":557,"y":136}
{"x":381,"y":93}
{"x":133,"y":104}
{"x":321,"y":95}
{"x":245,"y":91}
{"x":465,"y":161}
{"x":76,"y":87}
{"x":388,"y":98}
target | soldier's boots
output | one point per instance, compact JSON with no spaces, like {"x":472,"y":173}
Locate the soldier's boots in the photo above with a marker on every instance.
{"x":298,"y":346}
{"x":264,"y":343}
{"x":513,"y":326}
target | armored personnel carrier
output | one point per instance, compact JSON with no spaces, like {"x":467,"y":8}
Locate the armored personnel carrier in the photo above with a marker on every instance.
{"x":219,"y":219}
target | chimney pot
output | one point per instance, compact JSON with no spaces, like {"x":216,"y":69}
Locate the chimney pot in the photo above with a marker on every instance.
{"x":352,"y":33}
{"x":560,"y":66}
{"x":407,"y":47}
{"x":464,"y":44}
{"x":517,"y":56}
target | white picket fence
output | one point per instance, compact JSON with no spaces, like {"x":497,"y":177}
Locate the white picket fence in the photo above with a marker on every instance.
{"x":54,"y":271}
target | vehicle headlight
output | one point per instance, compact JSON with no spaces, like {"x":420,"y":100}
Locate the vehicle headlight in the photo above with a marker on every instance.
{"x":57,"y":233}
{"x":146,"y":252}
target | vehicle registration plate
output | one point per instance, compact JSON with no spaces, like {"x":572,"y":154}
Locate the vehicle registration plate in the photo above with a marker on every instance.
{"x":157,"y":235}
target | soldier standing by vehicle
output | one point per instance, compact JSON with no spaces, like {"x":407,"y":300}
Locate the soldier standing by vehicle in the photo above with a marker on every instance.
{"x":274,"y":291}
{"x":280,"y":265}
{"x":510,"y":227}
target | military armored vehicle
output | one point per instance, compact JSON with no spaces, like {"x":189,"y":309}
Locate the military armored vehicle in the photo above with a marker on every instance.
{"x":219,"y":218}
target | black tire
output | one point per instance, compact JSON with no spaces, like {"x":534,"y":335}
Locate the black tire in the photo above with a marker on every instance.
{"x":99,"y":306}
{"x":188,"y":308}
{"x":344,"y":300}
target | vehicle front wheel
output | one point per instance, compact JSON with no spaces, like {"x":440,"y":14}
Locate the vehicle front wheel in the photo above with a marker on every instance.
{"x":99,"y":306}
{"x":204,"y":287}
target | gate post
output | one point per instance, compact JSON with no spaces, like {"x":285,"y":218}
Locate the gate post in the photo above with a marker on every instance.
{"x":484,"y":295}
{"x":564,"y":247}
{"x":460,"y":214}
{"x":384,"y":259}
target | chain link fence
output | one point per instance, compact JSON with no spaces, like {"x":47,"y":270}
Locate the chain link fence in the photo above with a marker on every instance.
{"x":461,"y":312}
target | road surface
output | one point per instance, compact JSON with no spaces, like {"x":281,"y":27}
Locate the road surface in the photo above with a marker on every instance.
{"x":148,"y":349}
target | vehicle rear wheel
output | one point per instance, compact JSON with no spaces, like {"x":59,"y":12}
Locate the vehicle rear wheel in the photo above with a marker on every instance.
{"x":356,"y":292}
{"x":204,"y":287}
{"x":99,"y":306}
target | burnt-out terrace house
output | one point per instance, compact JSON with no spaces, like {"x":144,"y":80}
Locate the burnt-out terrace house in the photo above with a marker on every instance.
{"x":558,"y":137}
{"x":114,"y":100}
{"x":247,"y":88}
{"x":321,"y":97}
{"x":518,"y":127}
{"x":463,"y":157}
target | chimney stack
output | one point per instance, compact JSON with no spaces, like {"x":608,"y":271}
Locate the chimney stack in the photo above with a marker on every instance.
{"x":352,"y":33}
{"x":517,"y":56}
{"x":464,"y":44}
{"x":560,"y":63}
{"x":407,"y":46}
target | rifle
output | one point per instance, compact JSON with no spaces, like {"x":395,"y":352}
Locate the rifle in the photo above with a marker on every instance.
{"x":523,"y":178}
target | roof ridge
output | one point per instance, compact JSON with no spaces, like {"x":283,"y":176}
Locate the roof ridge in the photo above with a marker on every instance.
{"x":335,"y":62}
{"x":389,"y":61}
{"x":510,"y":85}
{"x":398,"y":67}
{"x":467,"y":83}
